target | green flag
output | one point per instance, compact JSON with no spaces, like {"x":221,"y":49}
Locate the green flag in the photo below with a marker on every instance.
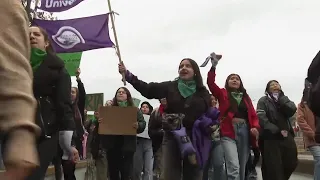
{"x":71,"y":61}
{"x":94,"y":101}
{"x":136,"y":101}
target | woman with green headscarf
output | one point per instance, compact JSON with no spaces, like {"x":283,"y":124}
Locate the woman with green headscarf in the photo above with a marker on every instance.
{"x":186,"y":96}
{"x":52,"y":90}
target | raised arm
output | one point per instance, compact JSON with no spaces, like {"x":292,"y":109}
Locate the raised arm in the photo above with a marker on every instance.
{"x":263,"y":118}
{"x":63,"y":102}
{"x":213,"y":87}
{"x":149,"y":90}
{"x":82,"y":97}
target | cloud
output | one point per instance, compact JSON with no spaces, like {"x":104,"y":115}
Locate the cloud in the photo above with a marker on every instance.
{"x":259,"y":40}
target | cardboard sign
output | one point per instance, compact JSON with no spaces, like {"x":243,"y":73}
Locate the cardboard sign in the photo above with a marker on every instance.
{"x":94,"y":101}
{"x":117,"y":120}
{"x":145,"y":133}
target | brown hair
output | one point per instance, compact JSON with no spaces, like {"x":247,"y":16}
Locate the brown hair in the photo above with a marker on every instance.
{"x":77,"y":114}
{"x":49,"y":48}
{"x":129,"y":97}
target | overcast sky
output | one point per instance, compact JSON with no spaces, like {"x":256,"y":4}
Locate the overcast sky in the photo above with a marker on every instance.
{"x":259,"y":40}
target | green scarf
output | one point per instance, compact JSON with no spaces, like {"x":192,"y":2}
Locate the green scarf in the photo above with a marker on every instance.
{"x":37,"y":57}
{"x":94,"y":120}
{"x":237,"y":96}
{"x":186,"y":88}
{"x":122,"y":103}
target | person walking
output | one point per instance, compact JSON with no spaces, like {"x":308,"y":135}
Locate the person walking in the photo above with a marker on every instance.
{"x":187,"y":99}
{"x":279,"y":153}
{"x":17,"y":127}
{"x":307,"y":122}
{"x":239,"y":124}
{"x":52,"y":90}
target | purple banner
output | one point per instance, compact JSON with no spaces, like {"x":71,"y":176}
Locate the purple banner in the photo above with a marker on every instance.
{"x":77,"y":35}
{"x":58,"y":5}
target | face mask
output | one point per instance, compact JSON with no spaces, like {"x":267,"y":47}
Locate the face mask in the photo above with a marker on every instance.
{"x":275,"y":95}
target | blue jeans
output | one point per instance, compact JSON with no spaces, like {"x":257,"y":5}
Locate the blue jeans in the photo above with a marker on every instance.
{"x":315,"y":151}
{"x":217,"y":164}
{"x":237,"y":152}
{"x":143,"y":160}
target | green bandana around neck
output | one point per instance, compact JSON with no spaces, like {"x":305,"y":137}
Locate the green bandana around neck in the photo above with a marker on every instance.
{"x":37,"y":57}
{"x":186,"y":88}
{"x":237,"y":96}
{"x":122,"y":103}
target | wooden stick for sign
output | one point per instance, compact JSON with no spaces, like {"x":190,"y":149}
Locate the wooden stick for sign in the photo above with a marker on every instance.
{"x":116,"y":40}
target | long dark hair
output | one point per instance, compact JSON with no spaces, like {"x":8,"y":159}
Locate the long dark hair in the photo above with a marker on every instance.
{"x":149,"y":106}
{"x":49,"y":48}
{"x":233,"y":102}
{"x":197,"y":74}
{"x":129,"y":97}
{"x":77,"y":114}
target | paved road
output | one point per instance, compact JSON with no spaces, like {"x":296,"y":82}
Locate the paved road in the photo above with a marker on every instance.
{"x":80,"y":176}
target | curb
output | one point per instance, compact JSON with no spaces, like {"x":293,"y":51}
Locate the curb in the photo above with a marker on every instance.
{"x":305,"y":166}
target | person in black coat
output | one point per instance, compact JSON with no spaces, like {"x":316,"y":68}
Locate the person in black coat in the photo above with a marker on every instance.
{"x":78,"y":98}
{"x":185,"y":95}
{"x":277,"y":145}
{"x":52,"y":90}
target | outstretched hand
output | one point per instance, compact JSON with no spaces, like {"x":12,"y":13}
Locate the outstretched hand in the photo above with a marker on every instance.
{"x":214,"y":58}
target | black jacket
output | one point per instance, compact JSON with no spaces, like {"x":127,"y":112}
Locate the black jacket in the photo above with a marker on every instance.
{"x":52,"y":90}
{"x":81,"y":105}
{"x":193,"y":107}
{"x":274,"y":116}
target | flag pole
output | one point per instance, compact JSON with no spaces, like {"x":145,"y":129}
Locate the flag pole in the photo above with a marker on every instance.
{"x":116,"y":40}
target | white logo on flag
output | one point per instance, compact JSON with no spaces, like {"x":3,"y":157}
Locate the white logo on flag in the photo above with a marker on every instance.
{"x":67,"y":37}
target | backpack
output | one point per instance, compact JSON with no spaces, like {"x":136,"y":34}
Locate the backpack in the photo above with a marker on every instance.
{"x":313,"y":99}
{"x":312,"y":86}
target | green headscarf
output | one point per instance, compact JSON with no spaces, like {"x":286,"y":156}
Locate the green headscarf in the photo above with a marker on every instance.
{"x":122,"y":103}
{"x":237,"y":96}
{"x":37,"y":57}
{"x":187,"y":88}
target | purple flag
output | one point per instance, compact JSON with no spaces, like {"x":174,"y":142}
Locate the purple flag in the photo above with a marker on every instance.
{"x":58,"y":5}
{"x":77,"y":35}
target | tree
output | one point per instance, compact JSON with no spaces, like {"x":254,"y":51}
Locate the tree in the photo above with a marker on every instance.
{"x":38,"y":14}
